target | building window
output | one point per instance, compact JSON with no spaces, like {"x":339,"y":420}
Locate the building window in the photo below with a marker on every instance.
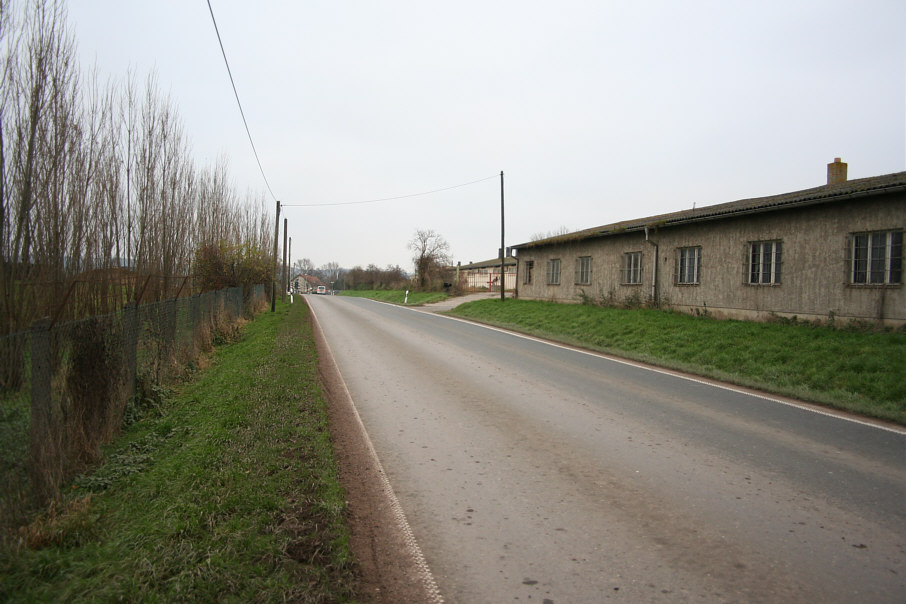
{"x":529,"y":269}
{"x":553,"y":272}
{"x":877,"y":258}
{"x":764,"y":262}
{"x":688,"y":265}
{"x":583,"y":270}
{"x":632,"y":268}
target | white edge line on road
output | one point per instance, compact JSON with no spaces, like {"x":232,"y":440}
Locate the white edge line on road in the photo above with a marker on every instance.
{"x":428,"y":582}
{"x":677,"y":374}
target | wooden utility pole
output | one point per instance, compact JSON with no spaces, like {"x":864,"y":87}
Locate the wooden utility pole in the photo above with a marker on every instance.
{"x":283,"y":284}
{"x":502,"y":248}
{"x":274,"y":274}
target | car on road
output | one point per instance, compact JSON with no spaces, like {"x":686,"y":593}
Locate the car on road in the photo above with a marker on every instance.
{"x":321,"y":290}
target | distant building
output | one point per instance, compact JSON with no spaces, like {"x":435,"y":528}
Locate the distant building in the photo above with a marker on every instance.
{"x":304,"y":284}
{"x":831,"y":251}
{"x":486,"y":275}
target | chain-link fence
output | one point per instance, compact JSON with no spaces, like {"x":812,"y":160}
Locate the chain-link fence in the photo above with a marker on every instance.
{"x":67,"y":388}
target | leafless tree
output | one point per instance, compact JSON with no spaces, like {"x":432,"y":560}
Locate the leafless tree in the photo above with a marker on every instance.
{"x":95,"y":176}
{"x":98,"y":188}
{"x":304,"y":266}
{"x":329,"y":272}
{"x":431,"y":253}
{"x":38,"y":119}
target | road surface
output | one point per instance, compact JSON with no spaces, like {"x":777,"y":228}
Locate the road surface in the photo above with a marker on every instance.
{"x":533,"y":472}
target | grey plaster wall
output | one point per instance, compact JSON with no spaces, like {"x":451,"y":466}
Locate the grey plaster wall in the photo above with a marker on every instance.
{"x":815,"y":274}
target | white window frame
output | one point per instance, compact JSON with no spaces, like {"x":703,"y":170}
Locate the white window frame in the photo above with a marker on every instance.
{"x":553,"y":271}
{"x":877,"y":258}
{"x":764,"y":262}
{"x":631,"y":273}
{"x":688,"y":265}
{"x":583,"y":270}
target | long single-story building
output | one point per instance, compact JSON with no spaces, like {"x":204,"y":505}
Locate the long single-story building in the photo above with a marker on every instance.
{"x":834,"y":251}
{"x":476,"y":276}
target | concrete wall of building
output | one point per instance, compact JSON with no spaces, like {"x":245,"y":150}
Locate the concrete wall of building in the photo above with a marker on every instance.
{"x":815,"y":273}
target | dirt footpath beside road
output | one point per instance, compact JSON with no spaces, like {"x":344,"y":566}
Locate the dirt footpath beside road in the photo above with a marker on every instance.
{"x":454,"y":301}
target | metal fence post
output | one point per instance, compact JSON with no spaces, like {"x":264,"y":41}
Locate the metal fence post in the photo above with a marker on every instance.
{"x":236,"y":297}
{"x":195,"y":320}
{"x":170,"y":309}
{"x":168,"y":332}
{"x":195,"y":311}
{"x":130,"y":347}
{"x":44,"y":433}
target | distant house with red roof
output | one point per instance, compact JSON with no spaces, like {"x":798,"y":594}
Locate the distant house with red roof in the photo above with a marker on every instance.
{"x":305,"y":284}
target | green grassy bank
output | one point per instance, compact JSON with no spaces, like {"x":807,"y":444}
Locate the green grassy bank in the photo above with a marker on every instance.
{"x":397,"y":296}
{"x":854,"y":369}
{"x":229,"y":492}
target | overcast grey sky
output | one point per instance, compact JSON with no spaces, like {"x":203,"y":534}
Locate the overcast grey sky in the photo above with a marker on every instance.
{"x":596,"y":111}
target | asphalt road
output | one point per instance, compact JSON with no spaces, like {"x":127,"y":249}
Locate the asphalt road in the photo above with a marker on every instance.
{"x":534,"y":472}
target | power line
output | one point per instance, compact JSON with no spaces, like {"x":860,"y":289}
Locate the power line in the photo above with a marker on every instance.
{"x":236,"y":94}
{"x":348,"y":203}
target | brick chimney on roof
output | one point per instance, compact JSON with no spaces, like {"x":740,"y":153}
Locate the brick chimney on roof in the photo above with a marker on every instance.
{"x":836,"y":172}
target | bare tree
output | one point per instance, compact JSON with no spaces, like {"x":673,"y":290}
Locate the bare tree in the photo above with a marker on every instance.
{"x":330,"y":272}
{"x":431,"y":253}
{"x":94,"y":176}
{"x":216,"y":202}
{"x":38,"y":119}
{"x":304,"y":266}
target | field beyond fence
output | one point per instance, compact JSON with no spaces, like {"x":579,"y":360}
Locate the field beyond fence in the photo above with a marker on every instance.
{"x":69,"y":387}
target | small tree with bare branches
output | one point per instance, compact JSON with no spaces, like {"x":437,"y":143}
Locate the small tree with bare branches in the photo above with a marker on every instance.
{"x":431,"y":254}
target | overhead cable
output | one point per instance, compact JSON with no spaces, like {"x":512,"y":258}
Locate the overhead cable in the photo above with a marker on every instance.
{"x":236,"y":94}
{"x":348,"y":203}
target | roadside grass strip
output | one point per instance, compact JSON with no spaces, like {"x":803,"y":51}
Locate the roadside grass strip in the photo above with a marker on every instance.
{"x":229,"y":493}
{"x":850,"y":367}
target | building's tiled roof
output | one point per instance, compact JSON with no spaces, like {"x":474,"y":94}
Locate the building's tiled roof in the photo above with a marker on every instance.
{"x":875,"y":185}
{"x":310,"y":279}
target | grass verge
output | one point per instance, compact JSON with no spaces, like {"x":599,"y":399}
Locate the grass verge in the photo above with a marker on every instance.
{"x":230,"y":493}
{"x":856,"y":370}
{"x":397,"y":296}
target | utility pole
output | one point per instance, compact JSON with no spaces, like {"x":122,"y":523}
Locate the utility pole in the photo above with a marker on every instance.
{"x":274,"y":273}
{"x":283,"y":284}
{"x":502,"y":248}
{"x":289,"y":264}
